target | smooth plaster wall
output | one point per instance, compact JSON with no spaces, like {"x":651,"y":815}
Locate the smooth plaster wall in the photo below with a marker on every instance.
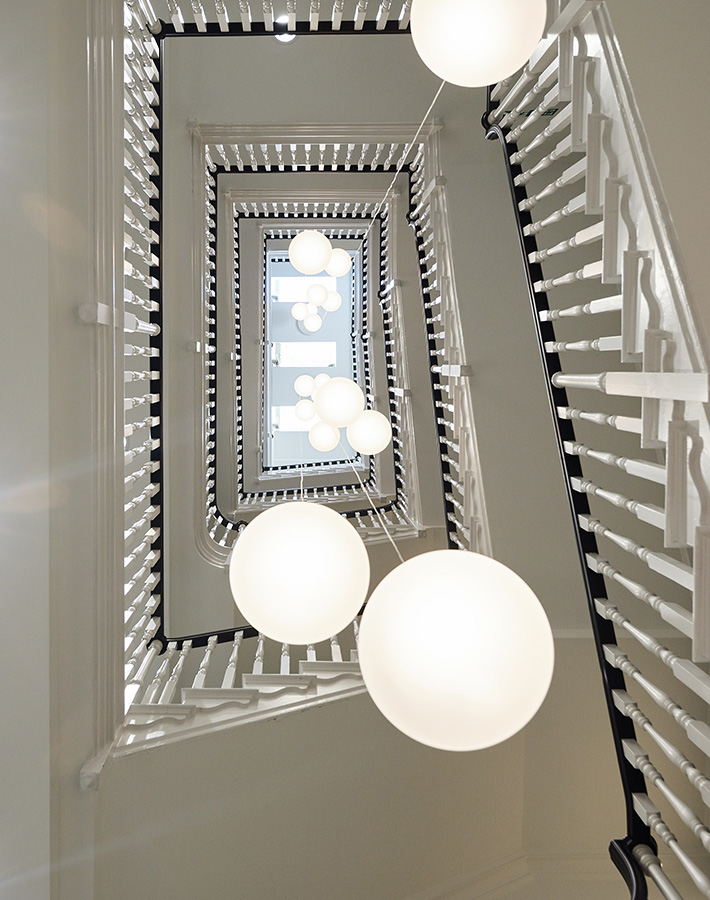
{"x":665,"y":48}
{"x":24,"y":495}
{"x":328,"y":803}
{"x":46,"y":505}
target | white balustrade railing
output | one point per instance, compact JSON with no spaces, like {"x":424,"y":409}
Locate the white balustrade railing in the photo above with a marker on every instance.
{"x":141,"y":389}
{"x":466,"y":512}
{"x":190,"y":688}
{"x":627,"y":352}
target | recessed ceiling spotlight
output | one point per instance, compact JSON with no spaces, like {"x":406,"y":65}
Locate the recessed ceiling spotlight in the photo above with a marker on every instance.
{"x":285,"y":38}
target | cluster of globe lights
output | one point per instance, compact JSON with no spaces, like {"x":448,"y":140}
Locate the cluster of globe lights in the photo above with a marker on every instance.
{"x":335,"y":403}
{"x":490,"y":652}
{"x":310,"y":253}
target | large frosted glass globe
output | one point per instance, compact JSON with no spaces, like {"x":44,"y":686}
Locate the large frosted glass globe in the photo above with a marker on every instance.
{"x":370,"y":433}
{"x":317,"y":293}
{"x":304,"y":385}
{"x":299,"y":311}
{"x":323,"y":437}
{"x":455,"y":650}
{"x":474,"y":43}
{"x":309,"y":252}
{"x":339,"y":402}
{"x":333,"y":301}
{"x":339,"y":263}
{"x":313,"y":323}
{"x":305,"y":410}
{"x":285,"y":599}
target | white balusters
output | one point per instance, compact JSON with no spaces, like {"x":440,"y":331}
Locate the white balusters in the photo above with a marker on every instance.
{"x":335,"y":652}
{"x":172,"y":682}
{"x":201,"y":676}
{"x":230,"y":673}
{"x":160,"y":675}
{"x":360,"y":12}
{"x":650,"y":815}
{"x":679,"y":572}
{"x":222,"y":15}
{"x":672,"y":613}
{"x":258,"y":666}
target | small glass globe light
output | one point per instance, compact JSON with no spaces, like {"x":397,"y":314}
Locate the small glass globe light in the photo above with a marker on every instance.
{"x":299,"y":311}
{"x":313,"y":323}
{"x":474,"y":43}
{"x":340,"y":263}
{"x":323,"y":437}
{"x":333,"y":301}
{"x":305,"y":410}
{"x":304,"y":385}
{"x":370,"y":433}
{"x":284,"y":37}
{"x":278,"y":595}
{"x":317,"y":294}
{"x":339,"y":402}
{"x":309,"y":252}
{"x":319,"y":381}
{"x":487,"y":676}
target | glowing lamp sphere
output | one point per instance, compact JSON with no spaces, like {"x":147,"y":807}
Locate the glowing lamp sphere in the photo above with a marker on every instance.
{"x":299,"y":311}
{"x":370,"y":433}
{"x":323,"y":437}
{"x":304,"y":385}
{"x":333,"y":301}
{"x":313,"y":323}
{"x":305,"y":410}
{"x":317,"y":294}
{"x":474,"y":43}
{"x":309,"y":252}
{"x":278,"y":595}
{"x":339,"y":402}
{"x":319,"y":381}
{"x":490,"y":668}
{"x":340,"y":263}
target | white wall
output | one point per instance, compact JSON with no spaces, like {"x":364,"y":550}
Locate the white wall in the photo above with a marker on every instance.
{"x":25,"y":493}
{"x":665,"y":48}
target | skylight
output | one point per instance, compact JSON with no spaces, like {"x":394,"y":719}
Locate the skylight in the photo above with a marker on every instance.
{"x":290,"y":350}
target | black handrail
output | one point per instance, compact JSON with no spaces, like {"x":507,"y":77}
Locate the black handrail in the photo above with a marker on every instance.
{"x":621,"y":851}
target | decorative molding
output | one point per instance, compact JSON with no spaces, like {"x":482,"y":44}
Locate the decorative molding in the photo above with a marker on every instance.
{"x":311,"y":134}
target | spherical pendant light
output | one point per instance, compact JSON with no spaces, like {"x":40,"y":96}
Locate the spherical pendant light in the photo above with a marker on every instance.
{"x":474,"y":43}
{"x":309,"y":252}
{"x":323,"y":437}
{"x":304,"y":385}
{"x":299,"y":311}
{"x":313,"y":323}
{"x":489,"y":650}
{"x":280,"y":596}
{"x":317,"y":294}
{"x":339,"y":264}
{"x":305,"y":410}
{"x":339,"y":402}
{"x":318,"y":382}
{"x":333,"y":301}
{"x":370,"y":433}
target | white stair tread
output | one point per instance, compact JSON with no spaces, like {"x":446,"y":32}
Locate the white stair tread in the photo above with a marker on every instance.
{"x":327,"y":667}
{"x":275,"y":681}
{"x":210,"y":695}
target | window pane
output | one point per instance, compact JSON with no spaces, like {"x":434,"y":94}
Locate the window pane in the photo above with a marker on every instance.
{"x":292,"y":289}
{"x":284,"y":418}
{"x":304,"y":354}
